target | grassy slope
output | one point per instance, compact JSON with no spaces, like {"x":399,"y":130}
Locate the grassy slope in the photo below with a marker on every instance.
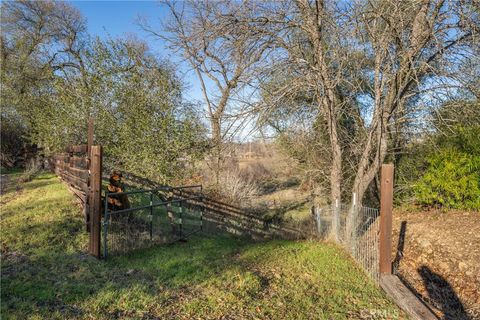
{"x":45,"y":273}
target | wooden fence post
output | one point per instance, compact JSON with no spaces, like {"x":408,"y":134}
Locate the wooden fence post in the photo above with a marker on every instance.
{"x":89,"y":147}
{"x":95,"y":194}
{"x":386,"y":206}
{"x":90,"y":135}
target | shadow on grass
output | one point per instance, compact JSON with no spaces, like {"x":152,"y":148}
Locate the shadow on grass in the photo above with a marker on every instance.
{"x":35,"y":204}
{"x":54,"y":279}
{"x":184,"y":263}
{"x":43,"y":182}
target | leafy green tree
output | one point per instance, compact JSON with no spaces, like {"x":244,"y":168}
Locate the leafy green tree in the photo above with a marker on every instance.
{"x":452,"y":180}
{"x":140,"y":117}
{"x":12,"y":140}
{"x":38,"y":39}
{"x":54,"y":77}
{"x":451,"y":176}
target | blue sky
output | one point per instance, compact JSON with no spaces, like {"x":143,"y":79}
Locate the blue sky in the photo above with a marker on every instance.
{"x":118,"y":19}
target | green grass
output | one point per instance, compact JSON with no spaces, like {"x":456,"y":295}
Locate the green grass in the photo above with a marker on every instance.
{"x":47,"y":275}
{"x":10,"y":170}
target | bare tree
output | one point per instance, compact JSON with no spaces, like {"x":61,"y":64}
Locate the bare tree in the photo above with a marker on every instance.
{"x":224,"y":49}
{"x":409,"y":42}
{"x":364,"y":63}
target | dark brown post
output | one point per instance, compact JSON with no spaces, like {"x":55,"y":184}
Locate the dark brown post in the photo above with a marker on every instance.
{"x":89,"y":165}
{"x":90,"y":135}
{"x":386,"y":206}
{"x":95,"y":199}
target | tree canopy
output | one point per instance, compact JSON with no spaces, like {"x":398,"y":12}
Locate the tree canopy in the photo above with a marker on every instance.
{"x":55,"y":77}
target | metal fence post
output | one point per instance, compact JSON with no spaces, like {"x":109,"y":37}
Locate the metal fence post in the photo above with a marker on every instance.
{"x":151,"y":215}
{"x":181,"y":218}
{"x":202,"y":210}
{"x":349,"y":223}
{"x":105,"y":226}
{"x":336,"y":221}
{"x":170,"y":214}
{"x":353,"y":223}
{"x":319,"y":219}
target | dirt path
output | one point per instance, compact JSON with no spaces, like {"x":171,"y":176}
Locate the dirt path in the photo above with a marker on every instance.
{"x":441,"y":259}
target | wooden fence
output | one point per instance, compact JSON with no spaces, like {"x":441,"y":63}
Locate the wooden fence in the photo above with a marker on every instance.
{"x":73,"y":168}
{"x":81,"y":168}
{"x":222,"y":217}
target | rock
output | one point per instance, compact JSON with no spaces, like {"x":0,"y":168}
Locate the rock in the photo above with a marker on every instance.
{"x":462,"y":266}
{"x":444,"y":266}
{"x":424,"y":243}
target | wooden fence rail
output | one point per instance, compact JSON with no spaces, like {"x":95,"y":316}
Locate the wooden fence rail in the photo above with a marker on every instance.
{"x":74,"y":173}
{"x":82,"y":171}
{"x":81,"y":168}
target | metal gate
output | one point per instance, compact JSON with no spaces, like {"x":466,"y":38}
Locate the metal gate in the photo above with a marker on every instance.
{"x":156,"y":216}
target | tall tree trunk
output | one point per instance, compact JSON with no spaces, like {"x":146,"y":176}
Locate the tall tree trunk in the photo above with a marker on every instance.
{"x":377,"y":142}
{"x":217,"y":147}
{"x":336,"y":169}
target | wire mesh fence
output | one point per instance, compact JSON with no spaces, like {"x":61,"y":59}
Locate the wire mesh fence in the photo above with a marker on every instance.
{"x":357,"y":228}
{"x":156,"y":216}
{"x":165,"y":215}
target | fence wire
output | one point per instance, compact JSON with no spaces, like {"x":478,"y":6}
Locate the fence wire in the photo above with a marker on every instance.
{"x":153,"y":218}
{"x":160,"y":216}
{"x":357,"y":228}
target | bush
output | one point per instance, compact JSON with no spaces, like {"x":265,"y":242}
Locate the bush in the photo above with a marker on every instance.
{"x":451,"y":180}
{"x":236,"y":188}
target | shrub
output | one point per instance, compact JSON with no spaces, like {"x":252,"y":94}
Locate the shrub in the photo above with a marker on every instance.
{"x":236,"y":188}
{"x":451,"y":180}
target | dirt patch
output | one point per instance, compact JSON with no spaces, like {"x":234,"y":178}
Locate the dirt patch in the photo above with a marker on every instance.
{"x":438,"y":255}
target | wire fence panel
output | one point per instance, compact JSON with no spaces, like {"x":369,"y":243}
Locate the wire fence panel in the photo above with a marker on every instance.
{"x":166,"y":215}
{"x":357,"y":228}
{"x":154,"y":217}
